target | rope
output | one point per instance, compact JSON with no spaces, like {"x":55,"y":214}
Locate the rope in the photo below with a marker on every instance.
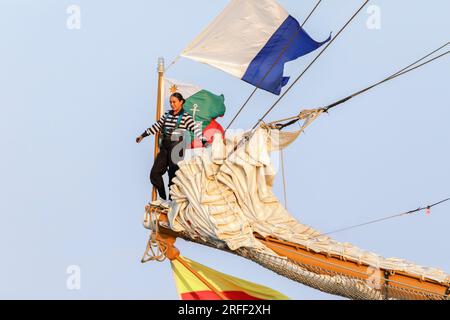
{"x":284,"y":179}
{"x":311,"y":13}
{"x":155,"y":250}
{"x":309,"y":116}
{"x":417,"y":61}
{"x":271,"y":68}
{"x":383,"y":219}
{"x":409,"y":68}
{"x":173,"y":62}
{"x":296,"y":80}
{"x":309,"y":66}
{"x":304,"y":114}
{"x":399,"y":73}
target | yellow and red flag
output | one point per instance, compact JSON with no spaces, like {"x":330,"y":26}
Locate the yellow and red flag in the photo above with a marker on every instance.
{"x":190,"y":287}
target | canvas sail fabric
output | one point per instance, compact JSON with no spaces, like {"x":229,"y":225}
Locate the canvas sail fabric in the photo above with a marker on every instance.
{"x":227,"y":199}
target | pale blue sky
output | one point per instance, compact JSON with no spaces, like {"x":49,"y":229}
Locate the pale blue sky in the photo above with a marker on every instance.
{"x":74,"y":183}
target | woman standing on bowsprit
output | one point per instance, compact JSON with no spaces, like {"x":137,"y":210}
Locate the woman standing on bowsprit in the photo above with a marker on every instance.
{"x":171,"y":127}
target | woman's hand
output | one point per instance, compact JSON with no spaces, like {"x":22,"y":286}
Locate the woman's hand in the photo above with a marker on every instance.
{"x":139,"y":139}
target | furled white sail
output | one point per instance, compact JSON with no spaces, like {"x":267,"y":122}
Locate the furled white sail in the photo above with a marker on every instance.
{"x":229,"y":198}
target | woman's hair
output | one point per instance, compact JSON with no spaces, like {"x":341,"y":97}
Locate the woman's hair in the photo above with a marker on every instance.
{"x":178,"y":96}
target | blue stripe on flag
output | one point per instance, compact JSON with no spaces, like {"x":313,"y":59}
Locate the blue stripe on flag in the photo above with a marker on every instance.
{"x":261,"y":64}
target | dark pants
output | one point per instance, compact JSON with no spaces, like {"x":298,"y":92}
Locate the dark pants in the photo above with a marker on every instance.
{"x":166,"y":160}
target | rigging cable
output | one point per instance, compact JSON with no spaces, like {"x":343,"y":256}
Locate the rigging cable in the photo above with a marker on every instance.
{"x":252,"y":131}
{"x":175,"y":60}
{"x":273,"y":65}
{"x":427,"y":208}
{"x":393,"y":76}
{"x":284,"y":179}
{"x":310,"y":65}
{"x":399,"y":73}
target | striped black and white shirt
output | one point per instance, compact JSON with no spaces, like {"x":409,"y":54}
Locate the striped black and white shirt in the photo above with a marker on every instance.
{"x":169,"y":121}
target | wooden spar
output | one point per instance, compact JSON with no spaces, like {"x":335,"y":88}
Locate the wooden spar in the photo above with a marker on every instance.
{"x":159,"y":111}
{"x":335,"y":264}
{"x":166,"y":240}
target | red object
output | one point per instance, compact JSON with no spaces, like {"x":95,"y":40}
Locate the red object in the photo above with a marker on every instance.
{"x":427,"y":211}
{"x":209,"y":295}
{"x":210,"y":130}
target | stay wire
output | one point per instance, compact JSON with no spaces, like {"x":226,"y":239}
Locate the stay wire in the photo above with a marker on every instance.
{"x":401,"y":72}
{"x":273,"y":65}
{"x":382,"y":219}
{"x":310,"y":65}
{"x":252,"y":131}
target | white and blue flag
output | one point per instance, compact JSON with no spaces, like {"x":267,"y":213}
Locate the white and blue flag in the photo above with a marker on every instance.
{"x":246,"y":40}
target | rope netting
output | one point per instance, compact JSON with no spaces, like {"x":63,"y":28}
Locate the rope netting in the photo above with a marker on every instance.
{"x":335,"y":283}
{"x":327,"y":280}
{"x":155,"y":250}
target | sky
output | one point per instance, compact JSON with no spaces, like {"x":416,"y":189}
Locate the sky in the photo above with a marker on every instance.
{"x":74,"y":183}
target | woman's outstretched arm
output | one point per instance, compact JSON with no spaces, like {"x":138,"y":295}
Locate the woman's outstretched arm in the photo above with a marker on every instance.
{"x":153,"y":129}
